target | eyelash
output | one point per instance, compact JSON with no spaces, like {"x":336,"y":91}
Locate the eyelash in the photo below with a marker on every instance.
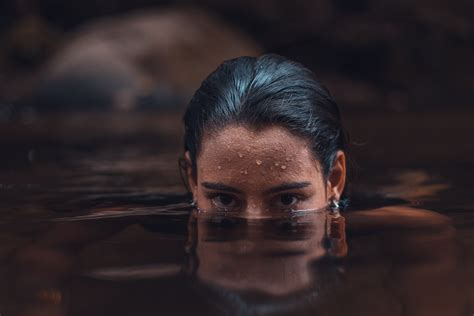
{"x":273,"y":201}
{"x":213,"y":196}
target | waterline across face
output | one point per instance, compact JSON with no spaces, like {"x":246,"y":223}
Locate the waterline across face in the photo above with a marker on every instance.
{"x":257,"y":172}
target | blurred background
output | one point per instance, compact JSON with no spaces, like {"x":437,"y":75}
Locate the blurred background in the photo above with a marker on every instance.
{"x":91,"y":98}
{"x":100,"y":86}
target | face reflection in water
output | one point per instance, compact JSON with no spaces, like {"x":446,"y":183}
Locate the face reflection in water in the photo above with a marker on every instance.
{"x":256,"y":176}
{"x":270,"y":256}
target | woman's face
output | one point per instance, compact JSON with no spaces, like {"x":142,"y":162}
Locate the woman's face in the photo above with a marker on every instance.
{"x":257,"y":173}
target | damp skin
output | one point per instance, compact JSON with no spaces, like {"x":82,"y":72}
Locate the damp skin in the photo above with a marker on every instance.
{"x":260,"y":171}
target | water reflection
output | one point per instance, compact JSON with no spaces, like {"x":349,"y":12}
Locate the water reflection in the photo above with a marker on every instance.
{"x":247,"y":266}
{"x":268,"y":255}
{"x":401,"y":261}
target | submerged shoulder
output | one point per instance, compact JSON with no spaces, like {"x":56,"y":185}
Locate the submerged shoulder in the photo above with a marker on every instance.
{"x":396,"y":217}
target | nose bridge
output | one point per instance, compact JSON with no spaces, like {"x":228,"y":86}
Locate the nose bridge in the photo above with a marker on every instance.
{"x":255,"y":207}
{"x":254,"y":210}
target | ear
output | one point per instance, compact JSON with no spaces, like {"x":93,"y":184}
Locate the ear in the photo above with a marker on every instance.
{"x":189,"y":173}
{"x":337,"y":176}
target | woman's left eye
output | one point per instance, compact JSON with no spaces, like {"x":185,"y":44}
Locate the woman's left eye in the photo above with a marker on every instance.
{"x":286,"y":200}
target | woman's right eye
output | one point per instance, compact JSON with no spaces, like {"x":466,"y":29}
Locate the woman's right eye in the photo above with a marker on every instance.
{"x":224,"y":201}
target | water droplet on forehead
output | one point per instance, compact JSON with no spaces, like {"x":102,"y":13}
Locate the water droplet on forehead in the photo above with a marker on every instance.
{"x":283,"y":167}
{"x":219,"y":167}
{"x":240,"y":155}
{"x":258,"y":162}
{"x":276,"y":164}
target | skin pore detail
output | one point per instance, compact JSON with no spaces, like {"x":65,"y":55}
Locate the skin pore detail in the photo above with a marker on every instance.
{"x":257,"y":172}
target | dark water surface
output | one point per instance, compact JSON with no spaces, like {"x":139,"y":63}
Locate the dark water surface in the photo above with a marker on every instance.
{"x":94,"y":220}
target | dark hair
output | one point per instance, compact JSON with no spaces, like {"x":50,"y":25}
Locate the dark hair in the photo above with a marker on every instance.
{"x":266,"y":90}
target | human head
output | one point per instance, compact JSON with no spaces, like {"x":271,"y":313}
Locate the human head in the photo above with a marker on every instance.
{"x":267,"y":107}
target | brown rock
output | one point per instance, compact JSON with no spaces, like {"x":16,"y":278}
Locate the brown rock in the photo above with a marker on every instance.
{"x":155,"y":57}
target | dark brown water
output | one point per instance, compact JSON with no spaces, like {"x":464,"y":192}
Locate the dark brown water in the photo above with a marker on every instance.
{"x":94,"y":220}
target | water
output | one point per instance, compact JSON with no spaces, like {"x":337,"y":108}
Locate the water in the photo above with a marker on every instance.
{"x":94,"y":220}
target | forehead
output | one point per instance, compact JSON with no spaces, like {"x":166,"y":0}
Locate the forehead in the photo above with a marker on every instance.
{"x":237,"y":154}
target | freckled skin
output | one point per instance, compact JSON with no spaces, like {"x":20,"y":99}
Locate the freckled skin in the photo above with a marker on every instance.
{"x":244,"y":264}
{"x":254,"y":161}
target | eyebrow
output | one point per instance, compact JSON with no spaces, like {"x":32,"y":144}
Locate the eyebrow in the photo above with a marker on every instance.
{"x":288,"y":186}
{"x":282,"y":187}
{"x":220,"y":187}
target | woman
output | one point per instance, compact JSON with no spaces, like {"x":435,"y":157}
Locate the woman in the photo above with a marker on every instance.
{"x":262,"y":135}
{"x":264,"y":143}
{"x":263,"y":138}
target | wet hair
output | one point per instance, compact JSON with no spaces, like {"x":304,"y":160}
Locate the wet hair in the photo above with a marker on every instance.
{"x":263,"y":91}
